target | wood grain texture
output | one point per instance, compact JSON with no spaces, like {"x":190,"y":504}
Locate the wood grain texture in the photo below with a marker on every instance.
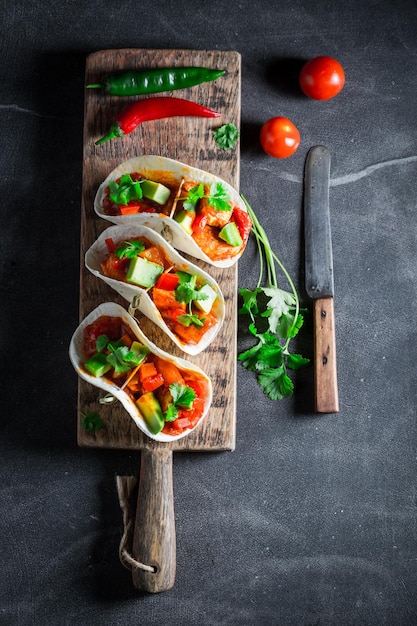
{"x":189,"y":140}
{"x":325,"y":369}
{"x":154,"y":537}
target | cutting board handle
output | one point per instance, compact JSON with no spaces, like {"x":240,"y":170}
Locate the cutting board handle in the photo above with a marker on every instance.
{"x":154,"y":542}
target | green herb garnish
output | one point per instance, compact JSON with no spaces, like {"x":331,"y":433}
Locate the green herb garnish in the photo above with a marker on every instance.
{"x":120,"y":357}
{"x":218,"y":198}
{"x":187,"y":293}
{"x":226,"y":136}
{"x":190,"y":318}
{"x":91,"y":421}
{"x":270,"y":357}
{"x":125,"y":190}
{"x":129,"y":249}
{"x":182,"y":396}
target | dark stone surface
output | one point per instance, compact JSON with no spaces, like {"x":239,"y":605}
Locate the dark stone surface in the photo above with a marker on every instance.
{"x":312,"y":519}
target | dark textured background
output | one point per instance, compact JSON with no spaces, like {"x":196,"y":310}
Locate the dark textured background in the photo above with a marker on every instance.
{"x":312,"y":519}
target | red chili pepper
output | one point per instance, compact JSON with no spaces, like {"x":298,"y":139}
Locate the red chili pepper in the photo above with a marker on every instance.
{"x":154,"y":109}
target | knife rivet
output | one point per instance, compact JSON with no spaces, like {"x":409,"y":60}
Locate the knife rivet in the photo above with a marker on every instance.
{"x":324,"y":360}
{"x":323,"y":314}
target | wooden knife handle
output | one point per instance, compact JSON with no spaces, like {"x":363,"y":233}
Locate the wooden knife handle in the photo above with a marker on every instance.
{"x":325,"y":370}
{"x":154,"y":542}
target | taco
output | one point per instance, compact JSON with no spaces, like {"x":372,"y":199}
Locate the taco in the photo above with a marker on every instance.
{"x":178,"y":296}
{"x":197,"y":212}
{"x":166,"y":396}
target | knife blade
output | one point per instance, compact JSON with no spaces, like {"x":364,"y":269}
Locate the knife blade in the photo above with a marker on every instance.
{"x":319,"y":276}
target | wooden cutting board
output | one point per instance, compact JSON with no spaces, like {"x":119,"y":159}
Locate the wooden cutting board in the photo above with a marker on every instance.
{"x":191,"y":141}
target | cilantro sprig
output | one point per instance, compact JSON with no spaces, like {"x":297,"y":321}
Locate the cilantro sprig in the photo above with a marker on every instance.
{"x":120,"y":357}
{"x":226,"y":136}
{"x":270,"y":357}
{"x":125,"y":190}
{"x":91,"y":421}
{"x":129,"y":249}
{"x":218,"y":198}
{"x":187,"y":292}
{"x":182,"y":397}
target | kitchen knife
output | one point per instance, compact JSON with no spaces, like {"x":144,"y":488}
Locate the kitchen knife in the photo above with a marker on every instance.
{"x":319,"y":276}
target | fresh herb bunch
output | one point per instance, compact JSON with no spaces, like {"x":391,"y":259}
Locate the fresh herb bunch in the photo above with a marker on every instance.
{"x":270,"y":357}
{"x":218,"y":198}
{"x":226,"y":136}
{"x":187,"y":293}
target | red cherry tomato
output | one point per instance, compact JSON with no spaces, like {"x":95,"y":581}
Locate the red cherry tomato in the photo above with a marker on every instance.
{"x":279,"y":137}
{"x":322,"y":78}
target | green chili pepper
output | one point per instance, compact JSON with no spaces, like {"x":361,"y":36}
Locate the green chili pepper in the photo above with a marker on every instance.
{"x":137,"y":83}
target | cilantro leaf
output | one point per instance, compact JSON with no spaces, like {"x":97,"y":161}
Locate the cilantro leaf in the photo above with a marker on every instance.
{"x":92,"y":421}
{"x":219,"y":198}
{"x":171,"y":413}
{"x":296,"y":361}
{"x":117,"y":358}
{"x":130,"y":249}
{"x":190,"y":318}
{"x":187,"y":291}
{"x":275,"y":383}
{"x":250,"y":357}
{"x":250,"y":303}
{"x":279,"y":304}
{"x":226,"y":136}
{"x":125,"y":190}
{"x":101,"y":342}
{"x":194,"y":195}
{"x":270,"y":355}
{"x":182,"y":396}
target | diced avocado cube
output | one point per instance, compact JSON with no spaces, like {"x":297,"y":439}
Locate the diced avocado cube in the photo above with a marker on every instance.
{"x":151,"y":412}
{"x":97,"y":365}
{"x":185,"y":219}
{"x":206,"y":305}
{"x":230,"y":234}
{"x":155,"y":191}
{"x":140,"y":351}
{"x":142,"y":272}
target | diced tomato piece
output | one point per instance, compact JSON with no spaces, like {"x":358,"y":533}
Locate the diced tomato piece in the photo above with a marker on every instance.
{"x":167,"y":281}
{"x":169,"y":371}
{"x":199,"y":223}
{"x":243,"y":221}
{"x":129,"y":209}
{"x":111,"y":246}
